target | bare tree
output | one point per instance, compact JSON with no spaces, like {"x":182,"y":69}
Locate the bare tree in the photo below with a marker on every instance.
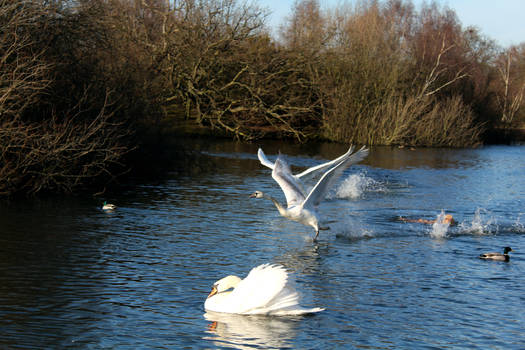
{"x":434,"y":81}
{"x":46,"y":146}
{"x":510,"y":98}
{"x":61,"y":154}
{"x":23,"y":72}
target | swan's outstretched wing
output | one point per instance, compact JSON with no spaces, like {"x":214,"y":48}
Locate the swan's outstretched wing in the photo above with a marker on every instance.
{"x":318,"y":170}
{"x":292,"y":190}
{"x":260,"y":287}
{"x":319,"y":191}
{"x":309,"y":173}
{"x":264,"y":161}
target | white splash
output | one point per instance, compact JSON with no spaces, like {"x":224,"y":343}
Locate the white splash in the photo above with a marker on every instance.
{"x":518,"y":225}
{"x":350,"y":228}
{"x":440,"y":227}
{"x":356,"y":184}
{"x":480,"y":225}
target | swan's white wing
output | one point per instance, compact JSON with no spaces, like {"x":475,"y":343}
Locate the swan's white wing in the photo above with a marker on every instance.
{"x":316,"y":171}
{"x":291,"y":188}
{"x":264,"y":161}
{"x":319,"y":191}
{"x":260,"y":287}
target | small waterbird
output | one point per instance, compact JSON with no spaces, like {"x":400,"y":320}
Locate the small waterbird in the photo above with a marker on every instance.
{"x":497,"y":256}
{"x":107,"y":206}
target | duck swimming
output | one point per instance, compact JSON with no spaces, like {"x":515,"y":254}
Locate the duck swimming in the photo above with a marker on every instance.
{"x":107,"y":206}
{"x":497,"y":256}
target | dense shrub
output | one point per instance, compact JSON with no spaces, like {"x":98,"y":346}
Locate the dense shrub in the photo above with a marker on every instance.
{"x":86,"y":85}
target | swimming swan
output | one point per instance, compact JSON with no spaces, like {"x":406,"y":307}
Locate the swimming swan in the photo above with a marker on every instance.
{"x":497,"y":256}
{"x":265,"y":291}
{"x":301,"y":206}
{"x":107,"y":206}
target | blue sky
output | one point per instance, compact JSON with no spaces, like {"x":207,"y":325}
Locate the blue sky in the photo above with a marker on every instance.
{"x":501,"y":20}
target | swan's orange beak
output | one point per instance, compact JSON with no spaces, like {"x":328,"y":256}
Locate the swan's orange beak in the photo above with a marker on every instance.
{"x":252,"y":195}
{"x":213,"y":292}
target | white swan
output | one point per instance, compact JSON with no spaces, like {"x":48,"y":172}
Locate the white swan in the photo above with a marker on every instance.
{"x":301,"y":206}
{"x":265,"y":291}
{"x":107,"y":206}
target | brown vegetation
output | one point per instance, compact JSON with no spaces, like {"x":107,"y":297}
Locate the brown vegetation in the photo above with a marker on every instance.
{"x":84,"y":83}
{"x":59,"y":154}
{"x":387,"y":83}
{"x":58,"y":129}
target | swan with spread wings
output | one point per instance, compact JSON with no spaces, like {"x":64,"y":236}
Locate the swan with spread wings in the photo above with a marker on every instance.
{"x":302,"y":205}
{"x":265,"y":291}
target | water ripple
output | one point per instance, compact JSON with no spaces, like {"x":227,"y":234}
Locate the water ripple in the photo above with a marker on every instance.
{"x":74,"y":276}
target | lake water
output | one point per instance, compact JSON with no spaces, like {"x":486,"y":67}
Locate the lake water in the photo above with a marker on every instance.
{"x":74,"y":276}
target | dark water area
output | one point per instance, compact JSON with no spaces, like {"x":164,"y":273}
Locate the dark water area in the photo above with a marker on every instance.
{"x":75,"y":276}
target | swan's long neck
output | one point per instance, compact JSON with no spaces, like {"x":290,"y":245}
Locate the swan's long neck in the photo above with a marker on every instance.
{"x":281,"y":209}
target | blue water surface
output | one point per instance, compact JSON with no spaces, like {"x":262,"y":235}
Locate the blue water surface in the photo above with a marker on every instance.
{"x":74,"y":276}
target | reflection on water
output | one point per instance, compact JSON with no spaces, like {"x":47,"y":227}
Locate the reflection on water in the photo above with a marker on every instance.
{"x":72,"y":275}
{"x":247,"y":332}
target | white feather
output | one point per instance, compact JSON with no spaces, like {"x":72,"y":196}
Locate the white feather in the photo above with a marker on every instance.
{"x":264,"y":291}
{"x":319,"y":191}
{"x":264,"y":161}
{"x":283,"y":176}
{"x":318,"y":170}
{"x":310,"y":173}
{"x":301,"y":207}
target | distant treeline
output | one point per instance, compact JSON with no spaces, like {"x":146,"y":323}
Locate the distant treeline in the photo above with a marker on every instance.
{"x":85,"y":85}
